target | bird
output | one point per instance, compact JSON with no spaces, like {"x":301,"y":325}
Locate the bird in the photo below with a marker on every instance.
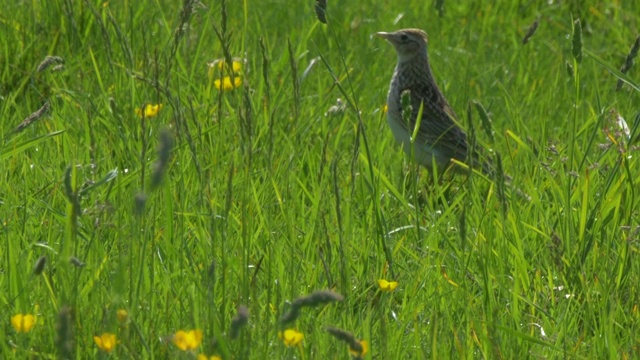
{"x":439,"y":138}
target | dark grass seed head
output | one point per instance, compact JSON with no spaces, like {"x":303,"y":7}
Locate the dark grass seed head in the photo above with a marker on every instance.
{"x":317,"y":298}
{"x":38,"y":268}
{"x":531,"y":31}
{"x":32,"y":118}
{"x":347,"y":337}
{"x":439,"y":5}
{"x":577,"y":41}
{"x":632,"y":55}
{"x":76,"y":262}
{"x":321,"y":10}
{"x":240,"y":320}
{"x":628,"y":63}
{"x":64,"y":333}
{"x":140,"y":201}
{"x":164,"y":153}
{"x":290,"y":316}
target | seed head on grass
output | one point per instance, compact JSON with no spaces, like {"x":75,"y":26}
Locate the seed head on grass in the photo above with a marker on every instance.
{"x":313,"y":299}
{"x":76,"y":262}
{"x":164,"y":153}
{"x":38,"y":268}
{"x":357,"y":348}
{"x":321,"y":10}
{"x":532,"y":30}
{"x":290,"y":316}
{"x":241,"y":319}
{"x":64,"y":333}
{"x":48,"y":61}
{"x":140,"y":201}
{"x":32,"y":118}
{"x":318,"y":298}
{"x":628,"y":63}
{"x":439,"y":5}
{"x":576,"y":47}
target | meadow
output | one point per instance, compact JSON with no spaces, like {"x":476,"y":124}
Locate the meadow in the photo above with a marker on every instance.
{"x":217,"y":180}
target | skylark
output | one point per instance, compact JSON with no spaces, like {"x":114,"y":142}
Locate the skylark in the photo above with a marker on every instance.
{"x":439,"y":137}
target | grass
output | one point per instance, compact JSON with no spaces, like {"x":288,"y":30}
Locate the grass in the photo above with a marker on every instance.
{"x":260,"y":195}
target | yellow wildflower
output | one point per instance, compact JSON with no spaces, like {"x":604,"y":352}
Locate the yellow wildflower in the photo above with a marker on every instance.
{"x":205,"y":357}
{"x":364,"y":344}
{"x":150,"y":110}
{"x":226,"y":83}
{"x":23,"y":323}
{"x":187,"y":340}
{"x":385,"y":108}
{"x":106,"y":342}
{"x":387,"y":286}
{"x":291,"y":337}
{"x":122,"y":315}
{"x":235,"y":65}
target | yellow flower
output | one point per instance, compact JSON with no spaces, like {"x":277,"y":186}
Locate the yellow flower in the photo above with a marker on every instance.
{"x":235,"y":65}
{"x":385,"y":108}
{"x":106,"y":342}
{"x":291,"y":337}
{"x":365,"y":349}
{"x":226,"y":84}
{"x":122,"y":315}
{"x":149,"y":110}
{"x":205,"y":357}
{"x":187,"y":340}
{"x":387,"y":286}
{"x":23,"y":323}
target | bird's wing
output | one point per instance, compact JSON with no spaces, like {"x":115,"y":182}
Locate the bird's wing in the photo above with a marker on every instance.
{"x":438,"y":126}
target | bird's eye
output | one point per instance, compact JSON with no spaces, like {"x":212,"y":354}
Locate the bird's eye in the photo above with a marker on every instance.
{"x":404,"y":37}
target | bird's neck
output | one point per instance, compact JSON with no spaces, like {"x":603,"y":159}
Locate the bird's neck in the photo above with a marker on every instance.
{"x":413,"y":68}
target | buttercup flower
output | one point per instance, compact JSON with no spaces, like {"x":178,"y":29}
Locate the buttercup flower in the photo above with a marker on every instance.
{"x":23,"y":323}
{"x":387,"y":286}
{"x":106,"y":342}
{"x":187,"y":340}
{"x":150,"y":110}
{"x":221,"y":65}
{"x":291,"y":337}
{"x":205,"y":357}
{"x":224,"y":80}
{"x":122,"y":315}
{"x":226,"y":83}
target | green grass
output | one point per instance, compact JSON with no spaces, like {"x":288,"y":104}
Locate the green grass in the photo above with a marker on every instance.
{"x":265,"y":199}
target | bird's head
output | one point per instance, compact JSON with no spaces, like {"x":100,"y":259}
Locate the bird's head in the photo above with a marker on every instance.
{"x":408,"y":42}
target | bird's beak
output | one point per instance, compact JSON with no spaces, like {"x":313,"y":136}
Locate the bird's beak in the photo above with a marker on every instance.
{"x":384,"y":35}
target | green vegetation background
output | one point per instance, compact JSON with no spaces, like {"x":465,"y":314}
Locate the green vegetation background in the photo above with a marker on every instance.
{"x":267,"y":196}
